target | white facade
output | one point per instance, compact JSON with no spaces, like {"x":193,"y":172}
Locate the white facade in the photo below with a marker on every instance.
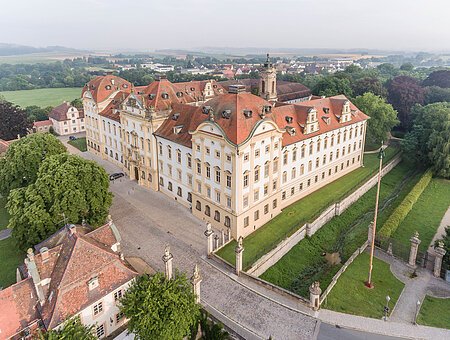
{"x":73,"y":123}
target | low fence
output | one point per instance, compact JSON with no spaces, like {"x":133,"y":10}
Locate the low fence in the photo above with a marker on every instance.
{"x":308,"y":229}
{"x":343,"y":269}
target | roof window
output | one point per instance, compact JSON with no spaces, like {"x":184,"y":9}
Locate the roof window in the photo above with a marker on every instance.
{"x":175,"y":116}
{"x":226,"y":114}
{"x":248,"y":113}
{"x":206,"y":109}
{"x":289,"y":119}
{"x":165,"y":95}
{"x":177,"y":129}
{"x":108,"y":87}
{"x":326,"y":109}
{"x":179,"y":94}
{"x":151,"y":96}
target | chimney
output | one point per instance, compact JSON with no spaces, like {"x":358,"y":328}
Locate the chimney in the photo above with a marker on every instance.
{"x":44,"y":254}
{"x":34,"y":274}
{"x":236,"y":88}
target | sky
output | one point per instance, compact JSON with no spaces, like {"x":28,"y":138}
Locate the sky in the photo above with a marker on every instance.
{"x":148,"y":25}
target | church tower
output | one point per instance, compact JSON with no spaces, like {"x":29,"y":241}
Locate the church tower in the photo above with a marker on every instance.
{"x":268,"y":81}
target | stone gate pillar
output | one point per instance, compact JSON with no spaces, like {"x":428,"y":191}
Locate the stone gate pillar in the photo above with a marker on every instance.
{"x":229,"y":233}
{"x":414,"y":247}
{"x":222,"y":234}
{"x":195,"y":280}
{"x":216,"y":242}
{"x":314,"y":295}
{"x":239,"y":253}
{"x":168,"y":258}
{"x":440,"y":252}
{"x":209,"y":238}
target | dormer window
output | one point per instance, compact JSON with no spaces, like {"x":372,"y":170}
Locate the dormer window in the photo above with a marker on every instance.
{"x":291,"y":130}
{"x":165,"y":95}
{"x":326,"y":110}
{"x":93,"y":283}
{"x":125,"y":86}
{"x":192,"y":89}
{"x":151,"y":96}
{"x":179,"y":94}
{"x":327,"y":120}
{"x":175,"y":116}
{"x":288,"y":119}
{"x":177,"y":129}
{"x":108,"y":87}
{"x":226,"y":114}
{"x":248,"y":113}
{"x":206,"y":109}
{"x":267,"y":108}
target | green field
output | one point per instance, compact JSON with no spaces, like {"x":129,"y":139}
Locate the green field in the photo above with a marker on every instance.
{"x":351,"y":296}
{"x":79,"y":143}
{"x":4,"y":217}
{"x":42,"y":97}
{"x":426,"y":214}
{"x":306,"y":209}
{"x":11,"y":259}
{"x":435,"y":312}
{"x":305,"y":262}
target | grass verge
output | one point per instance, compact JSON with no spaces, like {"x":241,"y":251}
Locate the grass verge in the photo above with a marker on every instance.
{"x":351,"y":296}
{"x":434,"y":312}
{"x":42,"y":97}
{"x":305,"y":262}
{"x":426,"y":214}
{"x":11,"y":259}
{"x":306,"y":209}
{"x":79,"y":143}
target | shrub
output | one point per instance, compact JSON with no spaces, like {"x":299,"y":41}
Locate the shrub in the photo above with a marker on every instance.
{"x":399,"y":214}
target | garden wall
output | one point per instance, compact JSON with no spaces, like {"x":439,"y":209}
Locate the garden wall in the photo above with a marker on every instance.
{"x":308,"y":229}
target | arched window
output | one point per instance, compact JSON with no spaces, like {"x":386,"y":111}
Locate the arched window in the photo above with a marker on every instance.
{"x":227,"y":221}
{"x":207,"y":210}
{"x":263,"y":86}
{"x":302,"y":169}
{"x":217,"y":216}
{"x":198,"y":206}
{"x":273,"y":86}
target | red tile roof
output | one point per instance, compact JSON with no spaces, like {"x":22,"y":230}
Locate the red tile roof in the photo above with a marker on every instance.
{"x":40,"y":123}
{"x":238,"y":128}
{"x":71,"y":261}
{"x":102,"y":87}
{"x":17,"y":308}
{"x":59,"y":113}
{"x":110,"y":111}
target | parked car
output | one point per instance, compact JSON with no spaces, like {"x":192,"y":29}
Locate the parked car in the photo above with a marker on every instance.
{"x":72,"y":137}
{"x":116,"y":175}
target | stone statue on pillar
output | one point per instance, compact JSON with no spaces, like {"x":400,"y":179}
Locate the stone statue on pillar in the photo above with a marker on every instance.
{"x":314,"y":295}
{"x":209,"y":237}
{"x":168,"y":258}
{"x":239,"y":253}
{"x":440,"y":252}
{"x":195,"y":280}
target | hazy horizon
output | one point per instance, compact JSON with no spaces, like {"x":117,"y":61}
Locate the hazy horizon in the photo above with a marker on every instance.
{"x":415,"y":25}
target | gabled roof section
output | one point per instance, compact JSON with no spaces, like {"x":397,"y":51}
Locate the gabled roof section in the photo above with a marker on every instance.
{"x":110,"y":111}
{"x":17,"y":308}
{"x":102,"y":87}
{"x":59,"y":113}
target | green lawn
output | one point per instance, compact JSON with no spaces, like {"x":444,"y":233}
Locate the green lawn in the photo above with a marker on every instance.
{"x":426,"y":214}
{"x":351,"y":296}
{"x":304,"y":263}
{"x":306,"y":209}
{"x":42,"y":97}
{"x":11,"y":259}
{"x":79,"y":143}
{"x":435,"y":312}
{"x":4,"y":217}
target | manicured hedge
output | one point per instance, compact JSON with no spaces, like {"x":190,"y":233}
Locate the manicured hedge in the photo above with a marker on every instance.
{"x":399,"y":214}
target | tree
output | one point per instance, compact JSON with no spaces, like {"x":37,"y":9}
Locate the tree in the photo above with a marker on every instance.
{"x":429,"y":139}
{"x":158,"y":308}
{"x":211,"y":330}
{"x":13,"y":121}
{"x":65,"y":184}
{"x":36,"y":113}
{"x":20,"y":166}
{"x":383,"y":117}
{"x":408,"y":67}
{"x":332,"y":86}
{"x":77,"y":102}
{"x":436,"y":94}
{"x":403,"y":93}
{"x":439,"y":78}
{"x":368,"y":84}
{"x":72,"y":329}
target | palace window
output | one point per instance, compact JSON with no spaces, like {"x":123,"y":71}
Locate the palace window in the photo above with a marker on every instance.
{"x":169,"y":152}
{"x":302,"y":152}
{"x":189,"y":162}
{"x":256,"y":195}
{"x":207,"y":210}
{"x":256,"y":174}
{"x":285,"y":158}
{"x":218,"y":196}
{"x":178,"y":156}
{"x":302,"y":169}
{"x":218,"y":175}
{"x":98,"y":308}
{"x":246,"y":221}
{"x":229,"y":181}
{"x":256,"y":153}
{"x":245,"y":180}
{"x":180,"y":192}
{"x":100,"y":331}
{"x":266,"y":169}
{"x":228,"y":202}
{"x":256,"y":215}
{"x":284,"y":177}
{"x":198,"y":206}
{"x":274,"y":204}
{"x":275,"y":165}
{"x":227,"y":221}
{"x":311,"y":148}
{"x":294,"y":155}
{"x":217,"y":216}
{"x":169,"y":186}
{"x":245,"y":201}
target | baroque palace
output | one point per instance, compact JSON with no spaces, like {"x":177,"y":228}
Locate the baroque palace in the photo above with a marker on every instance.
{"x":236,"y":159}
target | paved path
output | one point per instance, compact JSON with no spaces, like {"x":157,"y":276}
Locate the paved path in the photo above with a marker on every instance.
{"x":445,"y":222}
{"x":5,"y":233}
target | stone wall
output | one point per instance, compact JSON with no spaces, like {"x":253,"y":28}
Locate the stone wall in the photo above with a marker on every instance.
{"x":309,"y":229}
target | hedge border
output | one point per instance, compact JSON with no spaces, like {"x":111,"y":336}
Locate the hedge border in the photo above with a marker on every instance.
{"x":399,"y":214}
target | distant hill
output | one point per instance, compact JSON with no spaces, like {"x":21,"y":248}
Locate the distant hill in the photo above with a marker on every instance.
{"x":13,"y":49}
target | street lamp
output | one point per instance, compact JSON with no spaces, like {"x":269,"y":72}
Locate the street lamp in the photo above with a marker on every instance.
{"x":381,"y":155}
{"x":386,"y":308}
{"x":417,"y":311}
